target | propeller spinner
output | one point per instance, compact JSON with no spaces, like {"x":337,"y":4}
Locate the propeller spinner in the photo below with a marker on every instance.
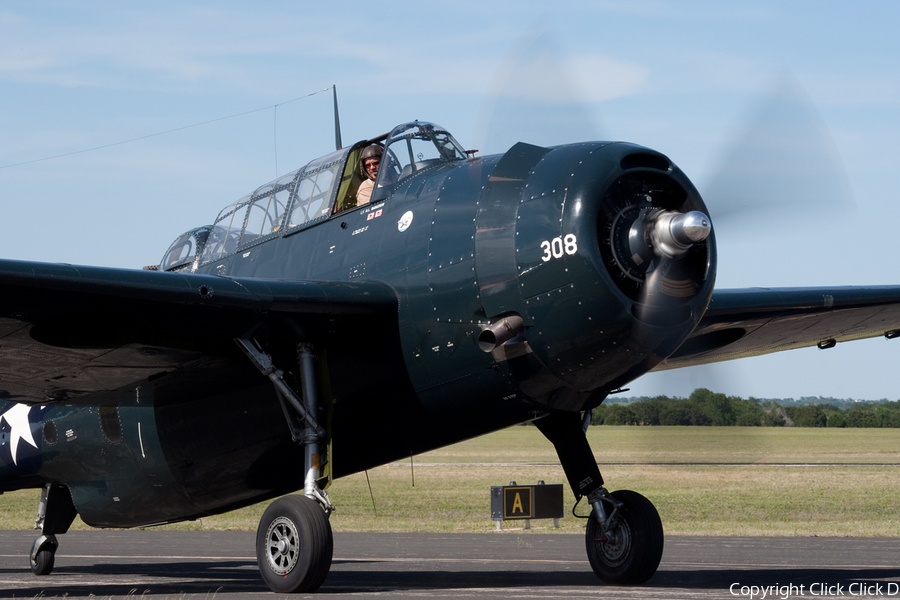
{"x":656,"y":243}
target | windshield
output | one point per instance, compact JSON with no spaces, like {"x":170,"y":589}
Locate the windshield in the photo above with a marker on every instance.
{"x":184,"y":251}
{"x":415,"y":146}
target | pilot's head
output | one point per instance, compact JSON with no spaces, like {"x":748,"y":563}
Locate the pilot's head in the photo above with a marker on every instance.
{"x":371,"y":160}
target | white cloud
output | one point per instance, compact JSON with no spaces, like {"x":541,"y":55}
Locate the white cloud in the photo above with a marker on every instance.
{"x":602,"y":78}
{"x":152,"y":48}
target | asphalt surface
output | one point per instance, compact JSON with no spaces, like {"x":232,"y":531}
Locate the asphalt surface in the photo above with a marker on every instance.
{"x":509,"y":564}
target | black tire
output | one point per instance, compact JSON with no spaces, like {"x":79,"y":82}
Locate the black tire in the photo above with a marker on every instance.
{"x":294,"y":545}
{"x":43,"y":564}
{"x":631,"y":554}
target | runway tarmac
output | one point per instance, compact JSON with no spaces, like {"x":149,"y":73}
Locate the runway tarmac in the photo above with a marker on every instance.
{"x":509,"y":564}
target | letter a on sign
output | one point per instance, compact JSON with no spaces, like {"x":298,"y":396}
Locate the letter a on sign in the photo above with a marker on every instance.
{"x":517,"y":502}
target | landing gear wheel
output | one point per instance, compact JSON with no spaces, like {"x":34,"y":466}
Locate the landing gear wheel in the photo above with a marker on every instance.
{"x":294,"y":545}
{"x":630,"y":551}
{"x":42,"y":564}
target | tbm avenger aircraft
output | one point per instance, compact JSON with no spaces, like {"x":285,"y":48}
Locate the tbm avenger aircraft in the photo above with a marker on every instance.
{"x":301,"y":338}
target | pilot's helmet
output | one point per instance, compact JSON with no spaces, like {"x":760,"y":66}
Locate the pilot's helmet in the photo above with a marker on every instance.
{"x":373,"y":151}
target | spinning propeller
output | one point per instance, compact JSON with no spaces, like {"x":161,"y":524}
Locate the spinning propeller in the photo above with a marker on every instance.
{"x":780,"y":169}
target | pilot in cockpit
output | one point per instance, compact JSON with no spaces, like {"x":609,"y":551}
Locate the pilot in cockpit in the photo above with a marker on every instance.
{"x":371,"y":161}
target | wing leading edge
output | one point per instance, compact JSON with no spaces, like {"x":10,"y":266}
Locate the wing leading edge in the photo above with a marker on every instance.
{"x":750,"y":322}
{"x":70,"y":332}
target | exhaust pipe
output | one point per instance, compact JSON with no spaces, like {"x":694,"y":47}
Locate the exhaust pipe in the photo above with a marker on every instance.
{"x":500,"y":332}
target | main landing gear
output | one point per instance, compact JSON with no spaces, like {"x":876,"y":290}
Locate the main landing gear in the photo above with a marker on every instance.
{"x":624,"y":544}
{"x":624,"y":536}
{"x":55,"y":514}
{"x":294,"y":543}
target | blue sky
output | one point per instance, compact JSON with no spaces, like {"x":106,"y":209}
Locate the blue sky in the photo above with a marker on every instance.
{"x":790,"y":110}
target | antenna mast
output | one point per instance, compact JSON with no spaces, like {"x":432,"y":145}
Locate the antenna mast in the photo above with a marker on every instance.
{"x":337,"y":121}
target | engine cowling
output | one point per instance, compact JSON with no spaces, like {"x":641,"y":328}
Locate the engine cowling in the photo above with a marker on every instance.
{"x":605,"y":252}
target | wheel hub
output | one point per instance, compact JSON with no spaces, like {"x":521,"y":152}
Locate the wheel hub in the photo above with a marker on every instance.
{"x":615,"y":544}
{"x":283,"y":543}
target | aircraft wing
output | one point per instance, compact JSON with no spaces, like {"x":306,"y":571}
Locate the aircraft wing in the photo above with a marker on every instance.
{"x":68,"y":332}
{"x":754,"y":321}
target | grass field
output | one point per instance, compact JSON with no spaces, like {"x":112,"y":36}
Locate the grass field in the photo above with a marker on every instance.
{"x":703,"y":481}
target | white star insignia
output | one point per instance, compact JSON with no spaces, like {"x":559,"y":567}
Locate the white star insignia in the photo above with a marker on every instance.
{"x":20,"y":428}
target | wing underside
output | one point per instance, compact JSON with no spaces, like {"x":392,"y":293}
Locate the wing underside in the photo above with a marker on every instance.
{"x":750,"y":322}
{"x":70,"y":333}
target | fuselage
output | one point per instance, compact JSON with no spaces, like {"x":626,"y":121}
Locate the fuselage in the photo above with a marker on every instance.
{"x":535,"y":233}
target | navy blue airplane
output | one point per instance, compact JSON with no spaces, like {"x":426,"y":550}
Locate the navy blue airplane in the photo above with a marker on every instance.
{"x":306,"y":335}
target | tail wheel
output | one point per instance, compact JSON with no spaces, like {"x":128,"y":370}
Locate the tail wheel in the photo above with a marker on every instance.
{"x":630,"y":550}
{"x":43,"y":554}
{"x":294,"y":545}
{"x":42,"y":564}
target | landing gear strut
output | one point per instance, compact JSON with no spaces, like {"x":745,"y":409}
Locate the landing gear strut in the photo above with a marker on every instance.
{"x":294,"y":543}
{"x":55,"y":514}
{"x":624,"y":535}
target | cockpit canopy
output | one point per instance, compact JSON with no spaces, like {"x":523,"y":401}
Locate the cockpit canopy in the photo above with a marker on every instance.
{"x":324,"y":187}
{"x":185,"y":250}
{"x":412,"y":147}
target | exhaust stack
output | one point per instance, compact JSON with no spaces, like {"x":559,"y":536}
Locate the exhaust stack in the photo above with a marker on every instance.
{"x":500,"y":332}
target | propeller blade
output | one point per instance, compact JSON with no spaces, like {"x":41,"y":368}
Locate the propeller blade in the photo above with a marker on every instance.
{"x":783,"y":166}
{"x":534,"y":87}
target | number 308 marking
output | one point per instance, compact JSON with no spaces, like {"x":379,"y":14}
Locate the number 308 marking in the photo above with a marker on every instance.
{"x":557,"y":247}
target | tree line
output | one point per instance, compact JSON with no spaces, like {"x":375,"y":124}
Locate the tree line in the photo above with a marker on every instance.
{"x":704,"y":407}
